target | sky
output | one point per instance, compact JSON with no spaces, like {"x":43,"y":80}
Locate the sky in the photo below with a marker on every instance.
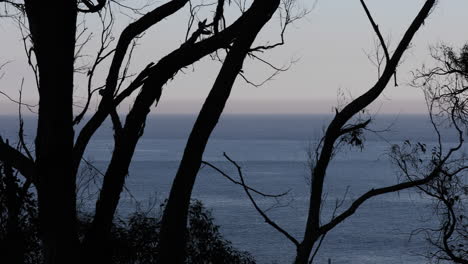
{"x":328,"y":47}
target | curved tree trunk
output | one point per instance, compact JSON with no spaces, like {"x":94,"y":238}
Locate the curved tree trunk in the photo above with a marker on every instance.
{"x":173,"y":230}
{"x":337,"y":128}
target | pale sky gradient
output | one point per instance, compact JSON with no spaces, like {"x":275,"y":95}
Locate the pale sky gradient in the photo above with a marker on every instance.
{"x":329,"y":43}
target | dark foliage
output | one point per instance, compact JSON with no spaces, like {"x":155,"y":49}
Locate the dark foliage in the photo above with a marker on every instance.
{"x":206,"y":245}
{"x":134,"y":239}
{"x":19,"y":240}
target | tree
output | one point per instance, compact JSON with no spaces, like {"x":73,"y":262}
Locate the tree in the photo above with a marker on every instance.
{"x":338,"y":129}
{"x":445,"y":86}
{"x":52,"y":50}
{"x":346,"y":128}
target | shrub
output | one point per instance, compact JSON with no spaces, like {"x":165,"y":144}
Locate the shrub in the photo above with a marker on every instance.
{"x":134,"y":239}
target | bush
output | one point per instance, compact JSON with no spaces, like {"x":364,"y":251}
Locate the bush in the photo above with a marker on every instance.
{"x":134,"y":239}
{"x":19,"y":240}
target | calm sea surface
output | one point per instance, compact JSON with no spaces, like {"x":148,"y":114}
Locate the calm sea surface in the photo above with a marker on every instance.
{"x":272,"y":152}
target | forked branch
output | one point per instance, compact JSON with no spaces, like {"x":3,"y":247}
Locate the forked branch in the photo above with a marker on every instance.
{"x":247,"y":191}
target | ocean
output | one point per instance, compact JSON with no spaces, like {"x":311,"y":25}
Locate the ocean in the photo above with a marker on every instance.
{"x":272,"y":151}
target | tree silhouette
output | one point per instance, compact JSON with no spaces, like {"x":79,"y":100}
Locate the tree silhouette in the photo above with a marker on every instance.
{"x":445,"y":86}
{"x":51,"y":32}
{"x":346,"y":128}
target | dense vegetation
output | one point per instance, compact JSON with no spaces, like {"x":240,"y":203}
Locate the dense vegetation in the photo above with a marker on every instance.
{"x":134,"y":238}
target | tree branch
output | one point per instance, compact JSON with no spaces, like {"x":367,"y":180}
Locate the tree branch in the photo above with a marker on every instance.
{"x":374,"y":192}
{"x":92,"y":8}
{"x":107,"y":105}
{"x":240,"y":183}
{"x":267,"y":219}
{"x":17,"y":160}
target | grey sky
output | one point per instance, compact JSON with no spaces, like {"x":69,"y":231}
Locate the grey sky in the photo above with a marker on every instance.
{"x":330,"y":44}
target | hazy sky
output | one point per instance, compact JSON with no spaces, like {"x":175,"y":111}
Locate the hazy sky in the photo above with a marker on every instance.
{"x":330,"y":44}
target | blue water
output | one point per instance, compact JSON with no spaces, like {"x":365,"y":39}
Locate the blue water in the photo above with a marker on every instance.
{"x":272,"y":152}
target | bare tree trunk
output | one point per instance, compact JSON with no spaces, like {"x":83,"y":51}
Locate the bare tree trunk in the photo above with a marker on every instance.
{"x":53,"y":26}
{"x":96,"y":245}
{"x":337,"y":128}
{"x":304,"y":250}
{"x":173,"y":230}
